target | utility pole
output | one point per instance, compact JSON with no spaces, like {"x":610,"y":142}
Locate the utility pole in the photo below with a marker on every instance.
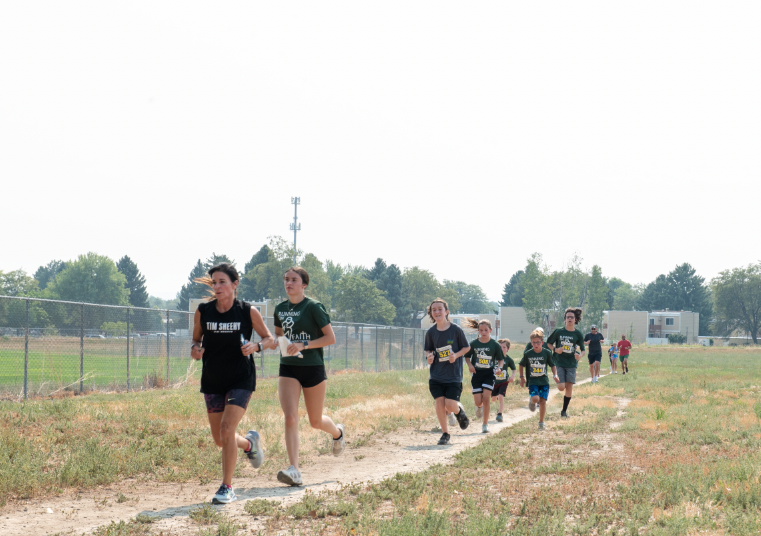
{"x":295,"y":226}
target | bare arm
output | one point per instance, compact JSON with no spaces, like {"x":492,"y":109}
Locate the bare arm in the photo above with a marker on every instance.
{"x":520,"y":372}
{"x":196,"y":352}
{"x":328,"y":338}
{"x":262,"y":330}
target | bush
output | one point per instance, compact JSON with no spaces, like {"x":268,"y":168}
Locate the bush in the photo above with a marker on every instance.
{"x":676,"y":338}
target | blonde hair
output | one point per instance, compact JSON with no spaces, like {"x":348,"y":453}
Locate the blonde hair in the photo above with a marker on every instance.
{"x":472,"y":323}
{"x":537,"y":334}
{"x":506,"y":342}
{"x":576,"y":312}
{"x":442,"y":302}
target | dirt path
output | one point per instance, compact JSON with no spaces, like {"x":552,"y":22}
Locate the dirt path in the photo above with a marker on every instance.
{"x":406,"y":450}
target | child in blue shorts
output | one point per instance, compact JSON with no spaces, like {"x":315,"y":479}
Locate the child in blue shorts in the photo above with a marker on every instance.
{"x":535,"y":362}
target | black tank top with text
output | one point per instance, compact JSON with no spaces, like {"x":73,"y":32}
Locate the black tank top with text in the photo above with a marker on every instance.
{"x":224,"y":365}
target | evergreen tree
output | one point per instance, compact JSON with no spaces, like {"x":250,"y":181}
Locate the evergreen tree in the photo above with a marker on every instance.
{"x":512,"y":295}
{"x":376,"y":272}
{"x":391,"y":282}
{"x":138,"y":294}
{"x":191,"y":289}
{"x":260,"y":257}
{"x":45,"y":274}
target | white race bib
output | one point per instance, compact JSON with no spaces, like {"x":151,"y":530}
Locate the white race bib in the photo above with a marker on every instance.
{"x":502,"y":375}
{"x":483,"y":362}
{"x":444,"y":352}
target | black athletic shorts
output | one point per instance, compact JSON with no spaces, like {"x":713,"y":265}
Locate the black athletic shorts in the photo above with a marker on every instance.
{"x":482,"y":380}
{"x":594,"y":358}
{"x":233,"y":397}
{"x":307,"y":376}
{"x":500,"y":389}
{"x":452,"y":391}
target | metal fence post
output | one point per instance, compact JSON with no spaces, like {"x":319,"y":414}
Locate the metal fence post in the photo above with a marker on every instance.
{"x":167,"y":346}
{"x":362,"y":347}
{"x":414,"y":346}
{"x":390,"y":338}
{"x":346,"y":342}
{"x":81,"y":347}
{"x":376,"y":348}
{"x":26,"y":351}
{"x":401,"y":352}
{"x":128,"y":335}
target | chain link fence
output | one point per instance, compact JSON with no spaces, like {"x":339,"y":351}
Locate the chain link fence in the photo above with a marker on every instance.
{"x":49,"y":346}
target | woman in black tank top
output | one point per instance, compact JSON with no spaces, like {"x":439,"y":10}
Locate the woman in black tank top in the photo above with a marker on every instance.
{"x":228,"y":375}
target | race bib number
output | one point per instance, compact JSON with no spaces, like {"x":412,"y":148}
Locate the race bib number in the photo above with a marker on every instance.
{"x":568,"y":348}
{"x":444,"y":352}
{"x":502,"y":375}
{"x":483,"y":362}
{"x":538,"y":369}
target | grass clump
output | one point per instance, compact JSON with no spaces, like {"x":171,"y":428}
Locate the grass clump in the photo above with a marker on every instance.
{"x":205,"y":514}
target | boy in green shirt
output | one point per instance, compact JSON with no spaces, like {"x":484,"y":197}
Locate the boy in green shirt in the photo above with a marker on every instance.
{"x":501,"y":381}
{"x":536,"y":362}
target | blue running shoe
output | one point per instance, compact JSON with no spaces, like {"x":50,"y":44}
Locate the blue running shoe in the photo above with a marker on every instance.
{"x":224,"y":495}
{"x":256,"y":454}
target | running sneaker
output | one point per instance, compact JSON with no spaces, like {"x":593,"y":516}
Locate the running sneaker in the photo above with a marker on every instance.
{"x":532,"y":405}
{"x":484,"y":428}
{"x":451,"y":419}
{"x":290,"y":476}
{"x":339,"y":445}
{"x":224,"y":495}
{"x":541,"y":426}
{"x":479,"y":412}
{"x":615,"y":372}
{"x":564,"y":414}
{"x":444,"y":439}
{"x":461,"y":417}
{"x":499,"y":417}
{"x":255,"y":453}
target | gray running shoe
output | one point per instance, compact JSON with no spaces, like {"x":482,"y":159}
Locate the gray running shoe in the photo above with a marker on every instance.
{"x":444,"y":439}
{"x":256,"y":454}
{"x":290,"y":476}
{"x":484,"y":428}
{"x":532,"y":405}
{"x":224,"y":495}
{"x":541,"y":426}
{"x":339,"y":445}
{"x":451,"y":419}
{"x":499,"y":417}
{"x":462,"y":418}
{"x":479,"y":412}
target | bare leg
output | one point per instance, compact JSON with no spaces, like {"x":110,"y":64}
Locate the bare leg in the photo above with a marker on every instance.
{"x":597,"y":368}
{"x":568,"y":389}
{"x":441,"y":414}
{"x":478,"y":399}
{"x":314,"y":399}
{"x":542,"y":409}
{"x":223,"y":430}
{"x":486,"y":400}
{"x":501,"y":403}
{"x":289,"y":391}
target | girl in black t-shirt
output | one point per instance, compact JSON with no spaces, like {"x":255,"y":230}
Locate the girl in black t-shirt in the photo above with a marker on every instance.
{"x":228,"y":375}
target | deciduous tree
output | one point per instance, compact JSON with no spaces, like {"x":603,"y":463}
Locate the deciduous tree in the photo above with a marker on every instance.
{"x":737,"y":298}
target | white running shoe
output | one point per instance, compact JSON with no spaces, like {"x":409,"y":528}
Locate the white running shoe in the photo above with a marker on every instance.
{"x":451,"y":419}
{"x":484,"y":428}
{"x":256,"y":454}
{"x":541,"y":426}
{"x":224,"y":495}
{"x":479,"y":412}
{"x":339,"y":445}
{"x":290,"y":476}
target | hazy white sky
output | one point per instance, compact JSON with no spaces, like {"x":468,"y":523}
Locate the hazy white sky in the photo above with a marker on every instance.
{"x":459,"y":137}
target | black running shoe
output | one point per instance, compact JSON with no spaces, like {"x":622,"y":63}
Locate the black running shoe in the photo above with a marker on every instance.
{"x":564,"y":414}
{"x":444,"y":439}
{"x":462,"y":418}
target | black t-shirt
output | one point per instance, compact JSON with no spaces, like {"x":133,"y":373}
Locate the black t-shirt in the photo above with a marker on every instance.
{"x":442,"y":343}
{"x":224,"y":365}
{"x":593,"y":340}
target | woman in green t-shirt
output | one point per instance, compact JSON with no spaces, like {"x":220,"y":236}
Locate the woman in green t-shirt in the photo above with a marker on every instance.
{"x":303,"y":329}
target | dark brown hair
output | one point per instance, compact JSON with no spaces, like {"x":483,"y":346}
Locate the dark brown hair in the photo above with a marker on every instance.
{"x":438,"y":300}
{"x":224,"y":267}
{"x":302,"y":273}
{"x":576,"y":312}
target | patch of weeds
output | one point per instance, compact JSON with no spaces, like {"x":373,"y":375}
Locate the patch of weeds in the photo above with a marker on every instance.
{"x":123,"y":528}
{"x":660,"y":414}
{"x":205,"y":514}
{"x":121,"y":498}
{"x":261,"y":507}
{"x":145,"y":519}
{"x":358,"y":457}
{"x":226,"y":527}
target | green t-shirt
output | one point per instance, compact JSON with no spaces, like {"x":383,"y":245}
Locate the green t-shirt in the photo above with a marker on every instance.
{"x":484,"y":355}
{"x":536,"y":366}
{"x":568,"y":340}
{"x":509,"y":364}
{"x":302,"y":322}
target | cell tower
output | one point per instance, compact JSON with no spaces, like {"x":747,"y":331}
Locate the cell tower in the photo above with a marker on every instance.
{"x":295,"y":226}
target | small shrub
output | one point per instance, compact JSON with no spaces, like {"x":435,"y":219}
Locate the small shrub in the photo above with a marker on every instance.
{"x":260,"y":507}
{"x":205,"y":515}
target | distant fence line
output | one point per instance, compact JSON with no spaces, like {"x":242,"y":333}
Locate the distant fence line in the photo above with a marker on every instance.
{"x":48,"y":346}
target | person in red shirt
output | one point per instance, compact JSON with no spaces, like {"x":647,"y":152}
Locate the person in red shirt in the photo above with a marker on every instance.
{"x":623,"y":348}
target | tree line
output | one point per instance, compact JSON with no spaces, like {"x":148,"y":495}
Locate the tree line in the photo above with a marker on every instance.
{"x":387,"y":294}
